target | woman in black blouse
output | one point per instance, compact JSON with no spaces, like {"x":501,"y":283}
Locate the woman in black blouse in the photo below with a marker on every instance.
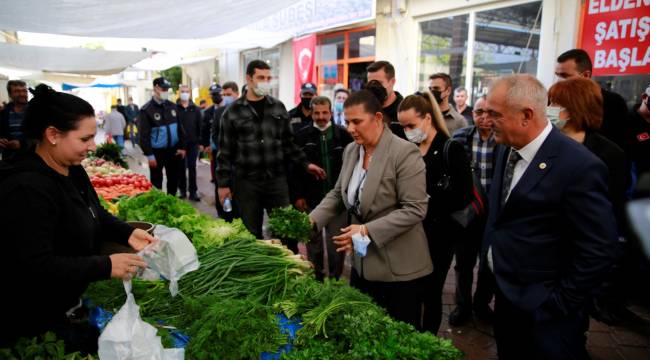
{"x":423,"y":124}
{"x":577,"y":110}
{"x":53,"y":226}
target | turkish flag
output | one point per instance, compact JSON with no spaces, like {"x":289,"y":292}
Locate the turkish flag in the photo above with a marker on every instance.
{"x":304,"y":59}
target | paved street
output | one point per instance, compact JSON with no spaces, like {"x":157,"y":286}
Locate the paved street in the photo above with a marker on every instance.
{"x":475,"y":339}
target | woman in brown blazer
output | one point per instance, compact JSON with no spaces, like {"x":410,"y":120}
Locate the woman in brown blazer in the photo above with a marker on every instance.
{"x":382,"y":185}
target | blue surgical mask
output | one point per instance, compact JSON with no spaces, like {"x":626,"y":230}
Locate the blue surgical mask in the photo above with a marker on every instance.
{"x":227,"y":100}
{"x":338,"y":107}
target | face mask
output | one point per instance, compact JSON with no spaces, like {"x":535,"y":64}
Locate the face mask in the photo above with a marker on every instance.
{"x":262,"y":89}
{"x":338,"y":107}
{"x":327,"y":126}
{"x":553,"y":115}
{"x":305,"y":102}
{"x":437,"y":94}
{"x":164,"y":95}
{"x":415,"y":136}
{"x":227,"y":100}
{"x":216,"y":99}
{"x":185,"y":96}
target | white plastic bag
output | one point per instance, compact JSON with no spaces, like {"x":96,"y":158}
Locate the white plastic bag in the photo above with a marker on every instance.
{"x":127,"y":337}
{"x":171,"y":257}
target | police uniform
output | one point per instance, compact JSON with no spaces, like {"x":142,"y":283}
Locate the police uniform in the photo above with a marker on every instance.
{"x":161,"y":135}
{"x":297,"y":118}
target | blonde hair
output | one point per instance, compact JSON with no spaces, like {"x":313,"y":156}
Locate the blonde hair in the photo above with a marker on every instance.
{"x":424,"y":103}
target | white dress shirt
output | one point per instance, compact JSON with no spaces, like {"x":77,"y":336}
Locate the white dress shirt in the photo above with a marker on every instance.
{"x":528,"y":153}
{"x":358,"y":179}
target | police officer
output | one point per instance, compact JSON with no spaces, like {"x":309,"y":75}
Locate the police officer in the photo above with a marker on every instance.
{"x":162,"y":138}
{"x":209,"y":115}
{"x":300,"y":116}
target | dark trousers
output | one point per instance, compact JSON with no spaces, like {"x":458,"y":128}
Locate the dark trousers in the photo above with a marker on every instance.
{"x":188,"y":170}
{"x":255,"y":196}
{"x":543,"y":333}
{"x":213,"y":164}
{"x":315,"y":251}
{"x":167,"y":159}
{"x":467,"y":249}
{"x":400,"y":298}
{"x":441,"y":235}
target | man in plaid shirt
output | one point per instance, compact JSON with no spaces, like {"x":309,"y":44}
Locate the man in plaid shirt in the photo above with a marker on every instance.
{"x":255,"y":144}
{"x":480,"y":146}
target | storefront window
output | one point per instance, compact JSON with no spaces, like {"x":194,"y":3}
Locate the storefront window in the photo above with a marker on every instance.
{"x":504,"y":41}
{"x":343,"y":58}
{"x":331,"y":49}
{"x":271,"y":57}
{"x":507,"y":42}
{"x":443,"y":49}
{"x":362,"y":44}
{"x":630,"y":87}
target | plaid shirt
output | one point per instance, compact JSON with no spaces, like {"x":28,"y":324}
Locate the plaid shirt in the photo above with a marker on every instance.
{"x":482,"y":159}
{"x":252,"y":147}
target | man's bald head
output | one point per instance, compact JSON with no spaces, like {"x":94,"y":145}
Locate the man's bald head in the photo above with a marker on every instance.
{"x":517,"y":106}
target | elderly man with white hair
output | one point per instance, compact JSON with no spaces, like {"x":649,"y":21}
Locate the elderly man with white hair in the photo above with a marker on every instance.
{"x":550,"y":235}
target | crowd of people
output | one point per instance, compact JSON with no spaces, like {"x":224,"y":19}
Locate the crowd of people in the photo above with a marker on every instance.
{"x":528,"y":182}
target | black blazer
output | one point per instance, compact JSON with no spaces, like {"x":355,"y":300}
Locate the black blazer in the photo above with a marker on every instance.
{"x":619,"y":170}
{"x":441,"y":203}
{"x":556,"y":236}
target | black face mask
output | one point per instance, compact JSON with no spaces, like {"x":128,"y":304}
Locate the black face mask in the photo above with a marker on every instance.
{"x":437,"y":94}
{"x":305,"y":102}
{"x":216,"y":99}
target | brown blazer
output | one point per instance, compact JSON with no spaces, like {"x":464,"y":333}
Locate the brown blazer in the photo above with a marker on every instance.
{"x":393,"y":203}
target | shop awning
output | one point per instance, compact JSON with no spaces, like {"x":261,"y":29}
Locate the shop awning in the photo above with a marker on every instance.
{"x":154,"y":19}
{"x":67,"y":60}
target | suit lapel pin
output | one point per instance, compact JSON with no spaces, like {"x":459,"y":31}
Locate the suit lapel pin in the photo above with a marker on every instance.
{"x":542,"y":166}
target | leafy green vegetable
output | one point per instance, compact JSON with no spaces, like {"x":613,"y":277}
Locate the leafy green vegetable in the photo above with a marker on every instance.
{"x":232,"y":329}
{"x":45,"y":347}
{"x":342,"y":323}
{"x":155,"y":207}
{"x":112,"y":153}
{"x":290,"y":224}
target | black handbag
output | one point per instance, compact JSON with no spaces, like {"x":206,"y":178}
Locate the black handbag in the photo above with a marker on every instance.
{"x":476,"y":208}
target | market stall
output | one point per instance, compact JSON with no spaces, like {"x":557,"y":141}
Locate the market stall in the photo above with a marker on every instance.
{"x":249,"y":298}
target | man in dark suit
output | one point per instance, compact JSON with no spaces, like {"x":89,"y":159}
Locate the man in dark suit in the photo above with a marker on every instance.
{"x":550,"y":235}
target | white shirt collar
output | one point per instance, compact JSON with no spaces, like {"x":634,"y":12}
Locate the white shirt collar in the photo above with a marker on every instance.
{"x":529,"y":151}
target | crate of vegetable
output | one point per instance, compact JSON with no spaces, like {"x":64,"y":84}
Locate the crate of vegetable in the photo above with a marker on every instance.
{"x":112,"y":181}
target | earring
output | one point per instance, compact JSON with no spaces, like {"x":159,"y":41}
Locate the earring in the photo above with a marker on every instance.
{"x":54,"y":143}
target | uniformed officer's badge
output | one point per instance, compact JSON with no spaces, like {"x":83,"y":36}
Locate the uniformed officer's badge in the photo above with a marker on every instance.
{"x":173,"y":112}
{"x":156,"y":116}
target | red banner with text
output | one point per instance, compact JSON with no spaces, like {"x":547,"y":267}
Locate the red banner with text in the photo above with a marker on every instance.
{"x":304,"y":59}
{"x":615,"y":34}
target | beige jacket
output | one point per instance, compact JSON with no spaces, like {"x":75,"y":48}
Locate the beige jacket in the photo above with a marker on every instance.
{"x":393,"y":204}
